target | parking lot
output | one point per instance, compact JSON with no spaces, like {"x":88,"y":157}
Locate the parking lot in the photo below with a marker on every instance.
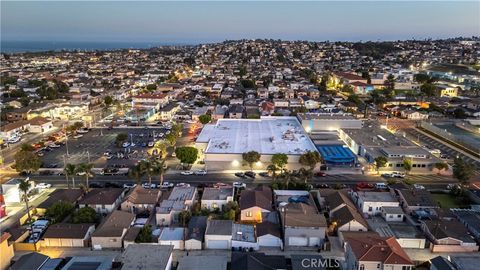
{"x":92,"y":146}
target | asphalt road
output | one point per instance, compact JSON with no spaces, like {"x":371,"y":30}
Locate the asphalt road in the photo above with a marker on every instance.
{"x":58,"y":180}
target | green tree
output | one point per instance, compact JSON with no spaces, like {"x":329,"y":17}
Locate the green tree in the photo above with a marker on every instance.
{"x":136,"y":173}
{"x":390,"y":82}
{"x":24,"y":186}
{"x":250,"y":158}
{"x":187,"y":154}
{"x":121,"y":138}
{"x":145,"y":235}
{"x":462,"y":171}
{"x":305,"y":175}
{"x":27,"y":161}
{"x":287,"y":177}
{"x":407,"y":165}
{"x":151,"y":87}
{"x":205,"y":119}
{"x":441,"y":166}
{"x":171,"y":139}
{"x":380,"y":162}
{"x":85,"y":169}
{"x":85,"y":215}
{"x":27,"y":147}
{"x":108,"y":100}
{"x":280,"y":160}
{"x":59,"y":211}
{"x":310,"y":159}
{"x":428,"y":89}
{"x":229,"y":215}
{"x":70,"y":170}
{"x":421,"y":78}
{"x":272,"y":169}
{"x":177,"y":130}
{"x":184,"y":217}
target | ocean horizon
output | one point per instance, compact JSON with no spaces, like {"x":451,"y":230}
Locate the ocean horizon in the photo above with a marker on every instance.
{"x":44,"y":46}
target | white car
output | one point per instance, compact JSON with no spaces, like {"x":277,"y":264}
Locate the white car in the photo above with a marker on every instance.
{"x":417,"y":186}
{"x":53,"y":145}
{"x":146,"y":185}
{"x":186,"y":173}
{"x":150,"y":144}
{"x":43,"y":185}
{"x":82,"y":131}
{"x":200,"y":172}
{"x":239,"y":185}
{"x":126,"y":144}
{"x":77,"y":136}
{"x":182,"y":185}
{"x":167,"y":185}
{"x":129,"y":185}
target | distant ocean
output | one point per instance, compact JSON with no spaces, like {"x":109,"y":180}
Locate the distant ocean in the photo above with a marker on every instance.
{"x":42,"y":46}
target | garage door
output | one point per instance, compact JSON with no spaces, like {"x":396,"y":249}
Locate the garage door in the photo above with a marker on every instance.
{"x":66,"y":242}
{"x":298,"y":241}
{"x":217,"y":244}
{"x":411,"y":243}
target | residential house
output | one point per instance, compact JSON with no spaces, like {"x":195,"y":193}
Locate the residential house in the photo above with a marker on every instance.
{"x":269,"y":235}
{"x":448,"y":235}
{"x":147,"y":256}
{"x":140,"y":200}
{"x":236,"y":111}
{"x":180,"y":199}
{"x":219,"y":112}
{"x":368,"y":252}
{"x":167,"y":112}
{"x":172,"y":236}
{"x":196,"y":233}
{"x":257,"y":261}
{"x":413,"y":115}
{"x":32,"y":260}
{"x":216,"y":198}
{"x":40,"y":125}
{"x":210,"y":262}
{"x":412,"y":200}
{"x":103,"y":200}
{"x":218,"y":234}
{"x":254,"y":203}
{"x":262,"y":93}
{"x":243,"y":236}
{"x":267,"y":108}
{"x":371,"y":202}
{"x":392,"y":213}
{"x":343,"y":214}
{"x":67,"y":235}
{"x":303,"y":224}
{"x":6,"y":250}
{"x":111,"y":232}
{"x":66,"y":195}
{"x":443,"y":90}
{"x":471,"y":219}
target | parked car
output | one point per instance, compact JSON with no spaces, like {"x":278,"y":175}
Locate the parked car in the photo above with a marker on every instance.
{"x":321,"y":174}
{"x":219,"y":185}
{"x":182,"y":185}
{"x":239,"y":185}
{"x":113,"y":185}
{"x":95,"y":185}
{"x":418,"y":186}
{"x":43,"y":185}
{"x":200,"y":172}
{"x":146,"y":185}
{"x":129,"y":185}
{"x":125,"y":144}
{"x":322,"y":186}
{"x":77,"y":136}
{"x":240,"y":174}
{"x":381,"y":186}
{"x":398,"y":175}
{"x":166,"y":185}
{"x":264,"y":174}
{"x":250,"y":174}
{"x":186,"y":173}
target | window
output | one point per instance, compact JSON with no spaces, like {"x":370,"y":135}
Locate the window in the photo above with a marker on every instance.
{"x":370,"y":209}
{"x":378,"y":265}
{"x":362,"y":267}
{"x":249,"y":214}
{"x":399,"y":215}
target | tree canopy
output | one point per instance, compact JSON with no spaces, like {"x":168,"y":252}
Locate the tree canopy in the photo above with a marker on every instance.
{"x":187,"y":154}
{"x":462,"y":171}
{"x":205,"y":118}
{"x":59,"y":211}
{"x":251,"y":157}
{"x":280,"y":160}
{"x":85,"y":215}
{"x":310,"y":159}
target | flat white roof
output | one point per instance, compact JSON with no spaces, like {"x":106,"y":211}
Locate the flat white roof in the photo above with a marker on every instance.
{"x":268,"y":135}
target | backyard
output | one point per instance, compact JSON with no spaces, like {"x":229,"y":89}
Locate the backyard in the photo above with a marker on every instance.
{"x":449,"y":201}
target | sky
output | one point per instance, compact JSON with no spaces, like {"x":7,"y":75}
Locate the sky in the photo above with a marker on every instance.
{"x":198,"y":21}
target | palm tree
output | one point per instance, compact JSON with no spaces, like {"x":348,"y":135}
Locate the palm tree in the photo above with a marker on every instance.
{"x":136,"y":173}
{"x":305,"y":174}
{"x":159,"y":168}
{"x":85,"y":168}
{"x":24,"y":187}
{"x":287,"y":177}
{"x":273,"y":170}
{"x":70,"y":170}
{"x":146,"y":167}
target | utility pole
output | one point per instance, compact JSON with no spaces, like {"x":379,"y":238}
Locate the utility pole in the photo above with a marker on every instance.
{"x":66,"y":175}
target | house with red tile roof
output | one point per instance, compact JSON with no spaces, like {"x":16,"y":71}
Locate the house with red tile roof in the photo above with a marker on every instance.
{"x":370,"y":252}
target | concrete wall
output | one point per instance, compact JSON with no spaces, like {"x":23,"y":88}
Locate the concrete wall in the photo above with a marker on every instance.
{"x":453,"y":248}
{"x":209,"y":204}
{"x":269,"y":240}
{"x":7,"y":254}
{"x":316,"y":236}
{"x":193,"y":244}
{"x":108,"y":242}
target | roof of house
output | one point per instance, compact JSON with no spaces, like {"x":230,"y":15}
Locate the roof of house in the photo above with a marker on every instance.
{"x":114,"y":224}
{"x":67,"y":230}
{"x":418,"y":197}
{"x":89,"y":263}
{"x":66,"y":195}
{"x":337,"y":199}
{"x":220,"y":193}
{"x":196,"y":228}
{"x":349,"y":76}
{"x":260,"y":197}
{"x":442,"y":228}
{"x":265,"y":228}
{"x":219,"y":227}
{"x":101,"y":196}
{"x":300,"y":214}
{"x":140,"y":195}
{"x":210,"y":262}
{"x":377,"y":249}
{"x":257,"y":261}
{"x":441,"y":263}
{"x":146,"y":256}
{"x":132,"y":234}
{"x":38,"y":121}
{"x":347,"y":214}
{"x":32,"y":260}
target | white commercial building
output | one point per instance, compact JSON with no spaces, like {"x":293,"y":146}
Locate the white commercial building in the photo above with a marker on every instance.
{"x":224,"y":143}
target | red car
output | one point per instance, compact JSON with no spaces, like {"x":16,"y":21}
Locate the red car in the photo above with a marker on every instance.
{"x":321,"y":174}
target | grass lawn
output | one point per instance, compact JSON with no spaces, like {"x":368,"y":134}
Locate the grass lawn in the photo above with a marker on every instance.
{"x":447,"y":201}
